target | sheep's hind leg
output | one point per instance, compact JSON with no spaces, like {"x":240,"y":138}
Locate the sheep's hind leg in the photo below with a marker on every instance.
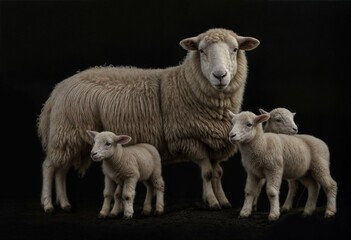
{"x":159,"y":187}
{"x":46,"y":193}
{"x":217,"y":186}
{"x":274,"y":180}
{"x":61,"y":194}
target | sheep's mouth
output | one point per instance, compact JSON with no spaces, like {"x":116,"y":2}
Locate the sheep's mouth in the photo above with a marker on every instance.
{"x":97,"y":159}
{"x":220,"y":86}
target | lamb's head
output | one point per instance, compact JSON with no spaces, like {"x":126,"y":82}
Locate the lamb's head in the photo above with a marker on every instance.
{"x":281,"y":121}
{"x":245,"y":125}
{"x":218,"y":49}
{"x":105,"y":144}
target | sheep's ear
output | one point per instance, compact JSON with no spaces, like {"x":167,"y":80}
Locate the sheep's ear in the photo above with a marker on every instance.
{"x":122,"y":139}
{"x":231,"y":114}
{"x":263,"y":111}
{"x":247,"y":43}
{"x":262,"y":118}
{"x":92,"y":134}
{"x":294,"y":113}
{"x":189,"y":44}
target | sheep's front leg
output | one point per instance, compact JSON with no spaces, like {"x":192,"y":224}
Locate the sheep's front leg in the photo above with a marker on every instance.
{"x":250,"y":193}
{"x":217,"y":186}
{"x":128,"y":194}
{"x":274,"y":180}
{"x":207,"y":175}
{"x":258,"y":193}
{"x":108,"y":194}
{"x":313,"y":191}
{"x":117,"y":206}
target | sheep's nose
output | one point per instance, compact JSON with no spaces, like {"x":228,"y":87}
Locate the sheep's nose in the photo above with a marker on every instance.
{"x":93,"y":154}
{"x":295,"y":129}
{"x":219,"y":74}
{"x":231,"y":135}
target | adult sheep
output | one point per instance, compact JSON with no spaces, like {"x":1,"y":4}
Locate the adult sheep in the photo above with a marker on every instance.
{"x":151,"y":106}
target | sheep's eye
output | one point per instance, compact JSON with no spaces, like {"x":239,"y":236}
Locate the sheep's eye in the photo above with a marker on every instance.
{"x":249,"y":124}
{"x":108,"y":144}
{"x":235,"y":50}
{"x":201,"y":50}
{"x":278,"y":120}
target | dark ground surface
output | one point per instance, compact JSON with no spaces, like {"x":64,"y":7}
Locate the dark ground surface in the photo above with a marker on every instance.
{"x":182,"y":220}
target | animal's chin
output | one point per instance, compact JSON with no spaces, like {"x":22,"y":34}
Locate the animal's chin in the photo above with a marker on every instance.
{"x":97,"y":159}
{"x":220,"y":87}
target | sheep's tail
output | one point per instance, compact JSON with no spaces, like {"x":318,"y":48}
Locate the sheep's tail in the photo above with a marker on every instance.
{"x":43,"y":123}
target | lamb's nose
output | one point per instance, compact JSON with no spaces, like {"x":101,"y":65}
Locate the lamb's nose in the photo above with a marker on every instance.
{"x":231,"y":135}
{"x":93,"y":154}
{"x":219,"y":74}
{"x":295,"y":129}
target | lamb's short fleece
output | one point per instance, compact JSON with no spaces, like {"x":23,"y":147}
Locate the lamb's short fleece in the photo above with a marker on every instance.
{"x":125,"y":166}
{"x":276,"y":156}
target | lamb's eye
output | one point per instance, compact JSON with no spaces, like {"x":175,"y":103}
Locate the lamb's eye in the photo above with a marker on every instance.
{"x":235,"y":50}
{"x":249,"y":124}
{"x":108,"y":144}
{"x":278,"y":120}
{"x":201,"y":50}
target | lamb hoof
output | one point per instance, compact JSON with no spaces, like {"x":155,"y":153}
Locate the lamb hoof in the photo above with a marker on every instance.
{"x":67,"y":208}
{"x":214,"y":207}
{"x":273,"y":218}
{"x":112,"y":215}
{"x":226,"y":205}
{"x":329,"y":214}
{"x":127,"y":217}
{"x":285,"y":209}
{"x":102,"y":216}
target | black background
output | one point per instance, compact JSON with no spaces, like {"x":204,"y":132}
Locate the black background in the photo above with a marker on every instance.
{"x":302,"y":63}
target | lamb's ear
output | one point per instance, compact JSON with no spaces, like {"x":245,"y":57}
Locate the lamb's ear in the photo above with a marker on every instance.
{"x":92,"y":134}
{"x":263,"y":111}
{"x":293,"y":113}
{"x":190,"y":44}
{"x":122,"y":139}
{"x":247,"y":43}
{"x":261,"y":118}
{"x":231,"y":114}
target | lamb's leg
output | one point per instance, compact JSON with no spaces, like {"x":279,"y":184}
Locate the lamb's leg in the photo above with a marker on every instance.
{"x":290,"y":197}
{"x":48,"y":177}
{"x":217,"y":186}
{"x":208,"y":195}
{"x":313,"y":191}
{"x":250,"y":193}
{"x":159,"y":187}
{"x":258,"y":192}
{"x":61,"y":194}
{"x":147,"y":208}
{"x":322,"y":175}
{"x":108,"y":194}
{"x":128,"y":194}
{"x":118,"y":205}
{"x":274,"y":180}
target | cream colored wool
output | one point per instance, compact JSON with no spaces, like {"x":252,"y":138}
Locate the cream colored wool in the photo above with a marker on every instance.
{"x":181,"y":110}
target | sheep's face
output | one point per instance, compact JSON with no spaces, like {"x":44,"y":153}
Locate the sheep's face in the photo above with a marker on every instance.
{"x":281,"y":121}
{"x":245,"y":126}
{"x":105,"y":144}
{"x":218,"y":49}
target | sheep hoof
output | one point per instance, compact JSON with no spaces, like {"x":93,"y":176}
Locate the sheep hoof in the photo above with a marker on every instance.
{"x":112,"y":215}
{"x":285,"y":209}
{"x":158,"y":213}
{"x":329,"y":214}
{"x":101,"y":215}
{"x":214,"y":207}
{"x":50,"y":210}
{"x":127,"y":217}
{"x":146,"y":213}
{"x":273,"y":218}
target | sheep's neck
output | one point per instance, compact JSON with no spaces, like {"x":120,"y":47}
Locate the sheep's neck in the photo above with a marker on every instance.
{"x":257,"y":144}
{"x":116,"y":160}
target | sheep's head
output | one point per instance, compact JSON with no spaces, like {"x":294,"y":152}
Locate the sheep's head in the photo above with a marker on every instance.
{"x":105,"y":144}
{"x":245,"y":125}
{"x":218,"y":49}
{"x":281,"y":121}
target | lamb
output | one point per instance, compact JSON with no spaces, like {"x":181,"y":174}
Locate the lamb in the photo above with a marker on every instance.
{"x":281,"y":121}
{"x":151,"y":105}
{"x":279,"y":156}
{"x":125,"y":166}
